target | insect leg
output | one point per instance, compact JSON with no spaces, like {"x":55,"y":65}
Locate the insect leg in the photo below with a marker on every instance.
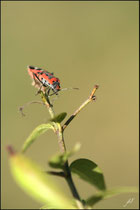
{"x":48,"y":90}
{"x":39,"y":89}
{"x":54,"y":93}
{"x":39,"y":85}
{"x":36,"y":77}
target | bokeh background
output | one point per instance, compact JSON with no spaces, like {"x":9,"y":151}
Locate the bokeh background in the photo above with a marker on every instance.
{"x":83,"y":43}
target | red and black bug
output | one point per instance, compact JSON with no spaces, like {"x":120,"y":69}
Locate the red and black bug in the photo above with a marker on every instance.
{"x":44,"y":78}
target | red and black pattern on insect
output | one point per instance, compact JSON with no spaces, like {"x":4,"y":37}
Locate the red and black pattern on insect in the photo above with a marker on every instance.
{"x":46,"y":78}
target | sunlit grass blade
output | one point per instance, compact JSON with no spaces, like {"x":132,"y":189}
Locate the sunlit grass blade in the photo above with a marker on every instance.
{"x":31,"y":178}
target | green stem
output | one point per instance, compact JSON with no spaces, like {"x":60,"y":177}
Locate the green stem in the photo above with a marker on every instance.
{"x":60,"y":131}
{"x":49,"y":106}
{"x":70,"y":182}
{"x":67,"y":173}
{"x":66,"y":170}
{"x":91,"y":98}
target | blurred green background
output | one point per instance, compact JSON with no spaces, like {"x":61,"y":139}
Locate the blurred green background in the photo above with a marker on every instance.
{"x":83,"y":43}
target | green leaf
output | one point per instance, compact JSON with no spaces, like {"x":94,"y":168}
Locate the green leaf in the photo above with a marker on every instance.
{"x":36,"y":133}
{"x":109,"y":193}
{"x":59,"y":160}
{"x":88,"y":171}
{"x":59,"y":118}
{"x":31,"y":178}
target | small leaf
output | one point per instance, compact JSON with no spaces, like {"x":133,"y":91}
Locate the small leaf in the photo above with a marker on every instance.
{"x":59,"y":118}
{"x":30,"y":177}
{"x":109,"y":193}
{"x":36,"y":133}
{"x":89,"y":171}
{"x":59,"y":160}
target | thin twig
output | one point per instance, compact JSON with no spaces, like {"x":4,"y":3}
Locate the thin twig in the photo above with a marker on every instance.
{"x":91,"y":98}
{"x":55,"y":173}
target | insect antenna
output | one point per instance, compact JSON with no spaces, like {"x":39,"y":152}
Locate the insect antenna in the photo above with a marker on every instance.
{"x":27,"y":104}
{"x":56,"y":92}
{"x":70,"y":88}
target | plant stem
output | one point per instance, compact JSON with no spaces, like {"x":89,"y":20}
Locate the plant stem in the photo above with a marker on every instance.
{"x":61,"y":141}
{"x":46,"y":101}
{"x":60,"y":131}
{"x":91,"y":98}
{"x":67,"y":172}
{"x":70,"y":182}
{"x":60,"y":174}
